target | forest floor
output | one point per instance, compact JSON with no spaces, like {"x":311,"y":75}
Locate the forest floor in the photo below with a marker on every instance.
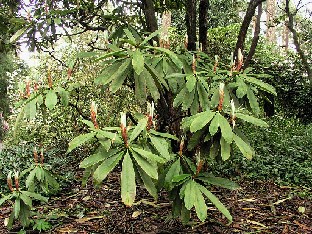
{"x":258,"y":207}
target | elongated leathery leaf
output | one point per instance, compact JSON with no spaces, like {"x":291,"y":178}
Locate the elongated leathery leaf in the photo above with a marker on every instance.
{"x":79,"y":140}
{"x":149,"y":155}
{"x":161,"y":146}
{"x":107,"y":74}
{"x":252,"y":120}
{"x":243,"y":147}
{"x":226,"y":130}
{"x":253,"y":102}
{"x":214,"y":200}
{"x":128,"y":186}
{"x":148,"y":168}
{"x":106,"y":167}
{"x":51,"y":100}
{"x":138,"y":129}
{"x":201,"y":120}
{"x":225,"y":149}
{"x":218,"y":181}
{"x":174,"y":170}
{"x":189,"y":195}
{"x":148,"y":183}
{"x":97,"y":157}
{"x":120,"y":76}
{"x":138,"y":62}
{"x":264,"y":86}
{"x":199,"y":203}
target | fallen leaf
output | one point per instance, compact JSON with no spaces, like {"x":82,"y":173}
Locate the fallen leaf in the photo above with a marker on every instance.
{"x":136,"y":214}
{"x":86,"y":219}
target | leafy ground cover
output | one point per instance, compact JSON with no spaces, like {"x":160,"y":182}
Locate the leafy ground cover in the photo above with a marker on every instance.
{"x":258,"y":207}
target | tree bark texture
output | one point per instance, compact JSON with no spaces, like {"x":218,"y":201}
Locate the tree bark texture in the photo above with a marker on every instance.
{"x":203,"y":23}
{"x":255,"y":38}
{"x":270,"y":15}
{"x":190,"y":18}
{"x":253,"y":4}
{"x":296,"y":41}
{"x":150,"y":17}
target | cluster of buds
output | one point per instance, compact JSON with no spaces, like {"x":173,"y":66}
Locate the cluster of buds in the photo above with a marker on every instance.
{"x":216,"y":64}
{"x":93,"y":111}
{"x":200,"y":165}
{"x":123,"y":126}
{"x":233,"y":116}
{"x":36,"y":158}
{"x":16,"y":180}
{"x":221,"y":96}
{"x":150,"y":116}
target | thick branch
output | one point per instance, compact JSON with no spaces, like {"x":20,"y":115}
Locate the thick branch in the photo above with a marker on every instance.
{"x":253,"y":4}
{"x":296,"y":41}
{"x":255,"y":38}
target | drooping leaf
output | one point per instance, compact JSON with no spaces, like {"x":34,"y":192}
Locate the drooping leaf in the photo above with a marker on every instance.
{"x":149,"y":155}
{"x":219,"y":181}
{"x":51,"y":100}
{"x":151,"y":36}
{"x":190,"y":82}
{"x":199,"y":203}
{"x":226,"y":130}
{"x":97,"y":157}
{"x":31,"y":109}
{"x":120,"y":75}
{"x":27,"y":200}
{"x":130,"y":36}
{"x":146,"y":166}
{"x":64,"y":97}
{"x":148,"y":183}
{"x":138,"y":62}
{"x":253,"y":102}
{"x":201,"y":120}
{"x":252,"y":120}
{"x":79,"y":140}
{"x":161,"y":146}
{"x":36,"y":196}
{"x":140,"y":87}
{"x":214,"y":200}
{"x":180,"y":97}
{"x":106,"y":167}
{"x":202,"y":96}
{"x":189,"y":195}
{"x":128,"y":186}
{"x":107,"y":74}
{"x":243,"y":147}
{"x":174,"y":170}
{"x":17,"y":207}
{"x":174,"y":58}
{"x":150,"y":84}
{"x":163,"y":134}
{"x":225,"y":149}
{"x":264,"y":86}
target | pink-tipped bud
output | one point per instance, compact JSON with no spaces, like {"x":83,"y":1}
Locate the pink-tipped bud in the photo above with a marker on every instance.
{"x":221,"y":96}
{"x":35,"y":155}
{"x":123,"y":126}
{"x":9,"y":181}
{"x":16,"y":180}
{"x":93,"y":111}
{"x":41,"y":157}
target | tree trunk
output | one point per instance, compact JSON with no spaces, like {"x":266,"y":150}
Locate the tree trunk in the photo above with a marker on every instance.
{"x":150,"y":17}
{"x":285,"y":36}
{"x":255,"y":39}
{"x":245,"y":25}
{"x":270,"y":15}
{"x":165,"y":24}
{"x":190,"y":18}
{"x":203,"y":24}
{"x":296,"y":41}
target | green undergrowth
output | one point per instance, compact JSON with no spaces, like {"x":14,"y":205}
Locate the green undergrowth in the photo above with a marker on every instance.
{"x":283,"y":153}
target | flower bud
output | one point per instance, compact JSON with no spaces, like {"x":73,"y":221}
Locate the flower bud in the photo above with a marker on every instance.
{"x":9,"y":181}
{"x":16,"y":179}
{"x":221,"y":96}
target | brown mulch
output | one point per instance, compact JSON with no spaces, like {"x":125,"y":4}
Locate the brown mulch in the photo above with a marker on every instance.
{"x":258,"y":207}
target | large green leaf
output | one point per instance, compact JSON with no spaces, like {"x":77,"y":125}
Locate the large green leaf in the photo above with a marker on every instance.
{"x":225,"y":149}
{"x":174,"y":170}
{"x":174,"y":58}
{"x":202,"y":96}
{"x":218,"y":181}
{"x":145,"y":165}
{"x":180,"y":97}
{"x":201,"y":120}
{"x":128,"y":187}
{"x":36,"y":196}
{"x":199,"y":203}
{"x":149,"y":155}
{"x":138,"y":129}
{"x":31,"y":109}
{"x":120,"y":75}
{"x":97,"y":157}
{"x":150,"y":84}
{"x":190,"y":82}
{"x":27,"y":200}
{"x":214,"y":200}
{"x":107,"y":74}
{"x":138,"y":62}
{"x":252,"y":120}
{"x":264,"y":86}
{"x":226,"y":130}
{"x":161,"y":146}
{"x":242,"y":88}
{"x":79,"y":140}
{"x":163,"y":134}
{"x":106,"y":167}
{"x":17,"y":207}
{"x":51,"y":100}
{"x":140,"y":87}
{"x":189,"y":194}
{"x":243,"y":147}
{"x":151,"y":36}
{"x":148,"y":183}
{"x":253,"y":102}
